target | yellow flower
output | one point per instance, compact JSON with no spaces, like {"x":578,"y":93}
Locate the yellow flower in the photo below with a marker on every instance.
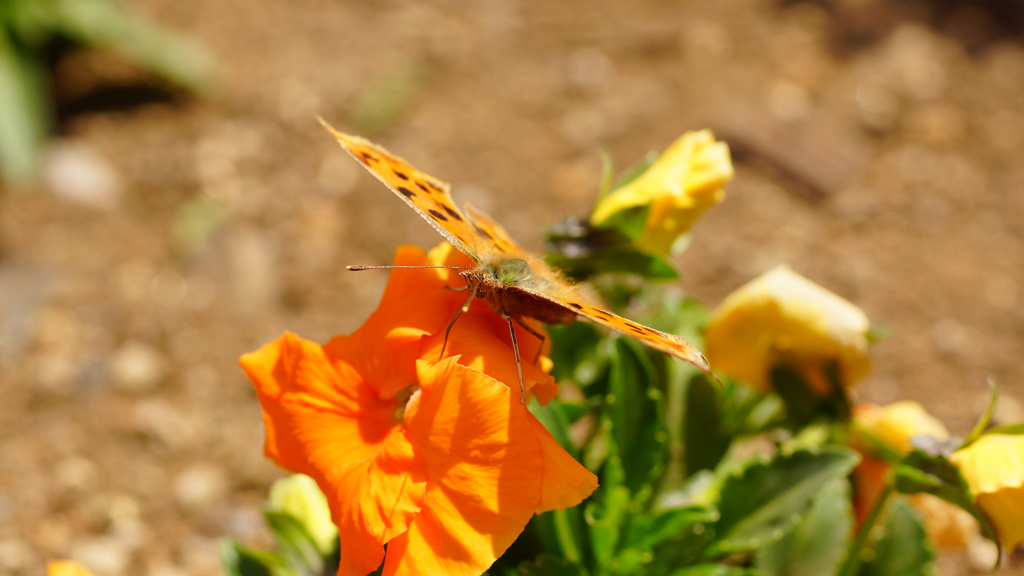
{"x":683,"y":182}
{"x":299,"y":497}
{"x":782,"y":318}
{"x":65,"y":568}
{"x":994,"y":469}
{"x":896,"y":424}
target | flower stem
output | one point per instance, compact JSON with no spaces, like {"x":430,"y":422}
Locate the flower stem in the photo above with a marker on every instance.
{"x":851,"y":565}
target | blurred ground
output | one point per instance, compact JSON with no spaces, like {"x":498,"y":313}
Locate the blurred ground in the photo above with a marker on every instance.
{"x":878,"y":147}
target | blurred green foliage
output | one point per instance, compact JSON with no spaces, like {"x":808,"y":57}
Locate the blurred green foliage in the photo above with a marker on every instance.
{"x":30,"y":33}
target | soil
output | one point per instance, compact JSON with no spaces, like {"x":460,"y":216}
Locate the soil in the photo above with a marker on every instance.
{"x":878,"y":152}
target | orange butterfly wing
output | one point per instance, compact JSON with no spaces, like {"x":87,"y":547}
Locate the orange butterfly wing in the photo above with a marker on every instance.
{"x":663,"y":342}
{"x":427,"y":195}
{"x":480,"y":238}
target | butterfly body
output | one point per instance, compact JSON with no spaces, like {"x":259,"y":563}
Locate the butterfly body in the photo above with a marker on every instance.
{"x":513,"y":282}
{"x":509,"y":287}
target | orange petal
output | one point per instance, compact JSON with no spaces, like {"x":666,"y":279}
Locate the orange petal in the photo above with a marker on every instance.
{"x":415,"y":303}
{"x":481,"y":337}
{"x":323,"y":420}
{"x":484,"y":465}
{"x":566,"y":482}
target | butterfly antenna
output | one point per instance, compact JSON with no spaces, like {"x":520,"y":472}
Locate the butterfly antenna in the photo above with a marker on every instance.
{"x":463,"y":308}
{"x":358,"y":268}
{"x":519,"y":363}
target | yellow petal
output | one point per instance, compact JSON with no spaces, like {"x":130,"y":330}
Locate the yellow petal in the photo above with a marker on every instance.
{"x":897,"y":423}
{"x":679,"y":187}
{"x":948,"y":526}
{"x":993,"y":467}
{"x":782,"y":317}
{"x":299,"y":497}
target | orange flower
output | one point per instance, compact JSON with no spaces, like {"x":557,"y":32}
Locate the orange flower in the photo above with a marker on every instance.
{"x":439,"y":459}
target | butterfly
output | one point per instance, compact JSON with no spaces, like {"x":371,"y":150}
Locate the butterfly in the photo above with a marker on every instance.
{"x":514,"y":283}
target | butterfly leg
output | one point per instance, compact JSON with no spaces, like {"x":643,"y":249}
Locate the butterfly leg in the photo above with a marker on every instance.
{"x":463,"y":308}
{"x":519,"y":363}
{"x":540,"y":336}
{"x":463,"y":289}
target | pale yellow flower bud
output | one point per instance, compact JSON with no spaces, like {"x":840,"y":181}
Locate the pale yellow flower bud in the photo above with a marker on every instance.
{"x":299,"y":496}
{"x":686,"y":180}
{"x":896,"y":424}
{"x":782,"y":318}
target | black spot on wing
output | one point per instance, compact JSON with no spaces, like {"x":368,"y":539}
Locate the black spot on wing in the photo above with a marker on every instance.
{"x":437,"y":215}
{"x":400,"y":174}
{"x":406,"y":192}
{"x":453,"y":213}
{"x":422,"y":186}
{"x":601,"y":313}
{"x":576,"y":306}
{"x":368,"y":157}
{"x":434,"y":186}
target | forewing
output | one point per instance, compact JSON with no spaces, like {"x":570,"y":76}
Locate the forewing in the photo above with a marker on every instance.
{"x":668,"y":343}
{"x":491,"y":232}
{"x":427,"y":195}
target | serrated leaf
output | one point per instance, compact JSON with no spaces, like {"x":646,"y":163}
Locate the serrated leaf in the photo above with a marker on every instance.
{"x":764,"y":502}
{"x":818,"y":543}
{"x":903,"y":549}
{"x":717,"y":570}
{"x":704,"y":442}
{"x":549,"y":565}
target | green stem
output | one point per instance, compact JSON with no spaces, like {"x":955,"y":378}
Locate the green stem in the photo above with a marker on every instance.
{"x":851,"y":565}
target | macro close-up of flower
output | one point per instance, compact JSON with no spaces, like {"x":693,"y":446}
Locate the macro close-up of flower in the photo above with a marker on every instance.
{"x":437,"y":459}
{"x":688,"y":178}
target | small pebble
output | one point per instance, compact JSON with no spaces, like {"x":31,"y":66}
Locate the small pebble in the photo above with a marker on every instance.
{"x":77,"y":173}
{"x":137,"y":368}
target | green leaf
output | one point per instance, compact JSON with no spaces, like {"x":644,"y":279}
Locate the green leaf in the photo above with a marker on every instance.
{"x":634,"y":406}
{"x":109,"y":25}
{"x":605,"y":521}
{"x":237,"y":560}
{"x":576,"y":353}
{"x":818,"y":543}
{"x":630,"y":222}
{"x":549,"y":565}
{"x":705,"y":444}
{"x":649,"y":530}
{"x":764,"y":502}
{"x":620,"y":259}
{"x":935,"y":474}
{"x":294,"y":543}
{"x":717,"y":570}
{"x":986,"y":418}
{"x":1010,"y":429}
{"x":24,"y":99}
{"x":556,"y":422}
{"x":903,"y":549}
